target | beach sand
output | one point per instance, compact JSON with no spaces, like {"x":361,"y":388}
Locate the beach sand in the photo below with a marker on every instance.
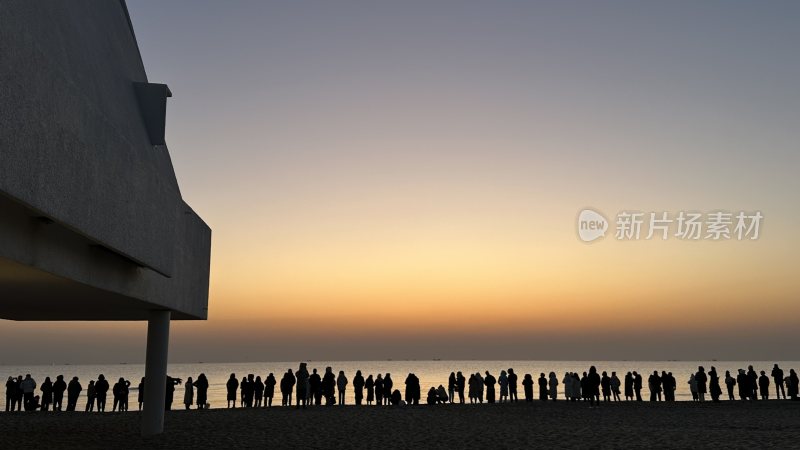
{"x":520,"y":425}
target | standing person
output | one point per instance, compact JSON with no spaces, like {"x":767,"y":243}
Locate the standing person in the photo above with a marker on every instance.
{"x":701,"y":379}
{"x":28,"y":387}
{"x":668,"y":385}
{"x":11,"y":391}
{"x":58,"y":393}
{"x":243,"y":392}
{"x":713,"y":384}
{"x":329,"y":387}
{"x":341,"y":385}
{"x":593,"y":383}
{"x":654,"y":383}
{"x":730,"y":382}
{"x":451,"y":387}
{"x":18,"y":395}
{"x":637,"y":385}
{"x":91,"y":395}
{"x":232,"y":386}
{"x":553,"y":383}
{"x":201,"y":384}
{"x":188,"y":393}
{"x":379,"y":390}
{"x":567,"y":383}
{"x":369,"y":384}
{"x":527,"y":387}
{"x":358,"y":387}
{"x":461,"y":384}
{"x":615,"y":384}
{"x":743,"y":381}
{"x":387,"y":387}
{"x":412,"y":387}
{"x":116,"y":391}
{"x":479,"y":387}
{"x":605,"y":384}
{"x":777,"y":377}
{"x":628,"y":386}
{"x":512,"y":386}
{"x":763,"y":385}
{"x":101,"y":389}
{"x":258,"y":393}
{"x":315,"y":387}
{"x":47,"y":394}
{"x":693,"y":386}
{"x":502,"y":380}
{"x":249,"y":390}
{"x":73,"y":391}
{"x":269,"y":389}
{"x":792,"y":385}
{"x":302,"y":377}
{"x":140,"y":395}
{"x":170,"y":395}
{"x":489,"y":382}
{"x":752,"y":381}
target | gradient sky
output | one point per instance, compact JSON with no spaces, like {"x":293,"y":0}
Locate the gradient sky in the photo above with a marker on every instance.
{"x":401,"y":179}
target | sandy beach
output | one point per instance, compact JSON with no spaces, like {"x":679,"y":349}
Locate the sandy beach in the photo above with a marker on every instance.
{"x":562,"y":424}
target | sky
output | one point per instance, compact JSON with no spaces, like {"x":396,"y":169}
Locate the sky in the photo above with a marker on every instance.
{"x":402,"y":179}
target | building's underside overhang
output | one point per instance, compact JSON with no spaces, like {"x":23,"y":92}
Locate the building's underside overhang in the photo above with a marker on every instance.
{"x":28,"y":293}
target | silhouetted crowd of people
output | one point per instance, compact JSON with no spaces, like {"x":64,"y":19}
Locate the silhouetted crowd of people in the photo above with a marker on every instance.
{"x":302,"y":388}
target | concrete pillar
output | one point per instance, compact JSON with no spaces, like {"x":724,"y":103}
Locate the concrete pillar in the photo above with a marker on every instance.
{"x":155,"y":372}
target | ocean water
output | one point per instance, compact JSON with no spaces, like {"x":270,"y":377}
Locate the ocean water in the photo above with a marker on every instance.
{"x":430,"y":373}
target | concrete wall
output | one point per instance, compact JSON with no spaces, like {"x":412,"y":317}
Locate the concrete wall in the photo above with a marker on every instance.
{"x":87,"y":203}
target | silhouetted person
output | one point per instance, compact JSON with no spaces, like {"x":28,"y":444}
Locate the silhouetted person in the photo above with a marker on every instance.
{"x":91,"y":396}
{"x":752,"y":378}
{"x":369,"y":385}
{"x":730,"y":383}
{"x":451,"y":387}
{"x":777,"y":377}
{"x":743,"y":381}
{"x":628,"y":386}
{"x":763,"y":385}
{"x":593,"y":383}
{"x":101,"y":388}
{"x":489,"y":382}
{"x":18,"y":395}
{"x":461,"y":383}
{"x":527,"y":387}
{"x":117,"y":392}
{"x":502,"y":381}
{"x":479,"y":387}
{"x":693,"y":386}
{"x":358,"y":387}
{"x":714,"y":388}
{"x":329,"y":386}
{"x":637,"y":385}
{"x":287,"y":387}
{"x":140,"y":394}
{"x":188,"y":393}
{"x":248,"y":390}
{"x":126,"y":388}
{"x":702,"y":385}
{"x":542,"y":387}
{"x":315,"y":386}
{"x":792,"y":385}
{"x":584,"y":383}
{"x":387,"y":387}
{"x":74,"y":389}
{"x":11,"y":391}
{"x":512,"y":386}
{"x":232,"y":386}
{"x":432,"y":396}
{"x":412,"y":389}
{"x":441,"y":395}
{"x":605,"y":386}
{"x":379,"y":390}
{"x":258,"y":392}
{"x":58,"y":392}
{"x":47,"y":394}
{"x":269,"y":389}
{"x":668,"y":385}
{"x":170,"y":394}
{"x":201,"y":384}
{"x":28,"y":387}
{"x":396,"y":398}
{"x":654,"y":383}
{"x":341,"y":386}
{"x":303,"y":385}
{"x":615,"y":383}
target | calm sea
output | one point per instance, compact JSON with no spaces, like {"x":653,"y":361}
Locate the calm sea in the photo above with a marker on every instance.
{"x":430,"y":373}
